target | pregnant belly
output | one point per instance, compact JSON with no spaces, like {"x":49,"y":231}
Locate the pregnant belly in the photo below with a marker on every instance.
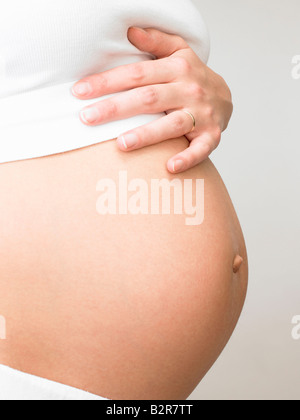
{"x":126,"y":306}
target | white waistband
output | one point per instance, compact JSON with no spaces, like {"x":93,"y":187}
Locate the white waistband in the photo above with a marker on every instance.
{"x":45,"y":121}
{"x":16,"y":385}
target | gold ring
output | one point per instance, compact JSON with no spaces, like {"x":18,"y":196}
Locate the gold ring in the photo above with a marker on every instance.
{"x":193,"y":119}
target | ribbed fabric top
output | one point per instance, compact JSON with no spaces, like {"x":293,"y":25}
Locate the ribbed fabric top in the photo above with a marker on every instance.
{"x":46,"y":46}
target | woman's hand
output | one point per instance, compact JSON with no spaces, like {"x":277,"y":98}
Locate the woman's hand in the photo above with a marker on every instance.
{"x":177,"y":81}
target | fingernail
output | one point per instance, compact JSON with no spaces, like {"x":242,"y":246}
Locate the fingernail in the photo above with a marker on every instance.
{"x":90,"y":115}
{"x":178,"y":165}
{"x":129,"y":140}
{"x":82,"y":89}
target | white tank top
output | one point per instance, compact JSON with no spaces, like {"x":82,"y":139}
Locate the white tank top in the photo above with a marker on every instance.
{"x":20,"y":386}
{"x":46,"y":46}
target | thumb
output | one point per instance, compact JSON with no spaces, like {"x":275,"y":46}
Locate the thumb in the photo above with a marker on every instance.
{"x":156,"y":42}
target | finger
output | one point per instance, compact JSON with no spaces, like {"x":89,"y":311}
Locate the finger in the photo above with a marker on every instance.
{"x":199,"y":150}
{"x":145,"y":100}
{"x":173,"y":125}
{"x":158,"y":43}
{"x":127,"y":77}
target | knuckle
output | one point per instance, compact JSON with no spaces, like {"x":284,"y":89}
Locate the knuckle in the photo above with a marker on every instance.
{"x":209,"y":112}
{"x":206,"y":149}
{"x":178,"y":121}
{"x":138,"y":73}
{"x":182,"y":65}
{"x":100,"y":83}
{"x":217,"y":135}
{"x":196,"y":91}
{"x":111,"y":110}
{"x":149,"y":96}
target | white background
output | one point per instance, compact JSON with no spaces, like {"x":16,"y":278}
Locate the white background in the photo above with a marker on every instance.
{"x":253,"y":43}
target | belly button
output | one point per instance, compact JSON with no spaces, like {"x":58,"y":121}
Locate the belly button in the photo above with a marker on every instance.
{"x":238,"y":261}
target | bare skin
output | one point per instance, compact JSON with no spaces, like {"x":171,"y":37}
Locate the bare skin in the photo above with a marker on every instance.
{"x":126,"y":307}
